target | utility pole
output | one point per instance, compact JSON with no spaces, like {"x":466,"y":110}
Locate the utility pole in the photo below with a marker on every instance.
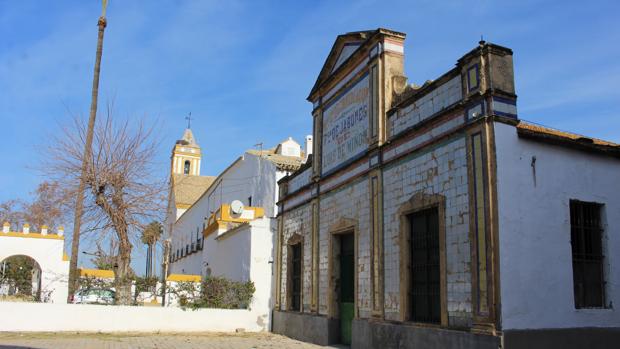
{"x":86,"y":159}
{"x":164,"y":272}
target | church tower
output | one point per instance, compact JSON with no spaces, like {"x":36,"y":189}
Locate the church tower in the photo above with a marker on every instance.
{"x":186,"y":156}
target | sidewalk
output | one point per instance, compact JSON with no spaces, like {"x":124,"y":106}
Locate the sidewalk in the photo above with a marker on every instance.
{"x":148,"y":341}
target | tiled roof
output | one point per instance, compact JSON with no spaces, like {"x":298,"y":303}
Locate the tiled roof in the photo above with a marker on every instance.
{"x":528,"y":130}
{"x":282,"y":162}
{"x":188,"y":189}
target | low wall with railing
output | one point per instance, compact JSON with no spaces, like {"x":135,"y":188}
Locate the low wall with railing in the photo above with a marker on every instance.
{"x":46,"y":317}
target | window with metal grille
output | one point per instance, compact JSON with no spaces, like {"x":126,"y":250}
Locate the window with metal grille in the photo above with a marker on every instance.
{"x":295,"y":277}
{"x":424,"y":286}
{"x":587,"y":251}
{"x":198,"y":240}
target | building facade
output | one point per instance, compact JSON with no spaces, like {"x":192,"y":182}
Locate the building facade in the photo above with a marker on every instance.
{"x":224,"y":226}
{"x":429,"y":215}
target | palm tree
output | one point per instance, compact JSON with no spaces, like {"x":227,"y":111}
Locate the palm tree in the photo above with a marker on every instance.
{"x":79,"y":201}
{"x":150,"y":235}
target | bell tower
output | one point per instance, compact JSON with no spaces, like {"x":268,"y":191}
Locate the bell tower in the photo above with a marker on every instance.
{"x":186,"y":156}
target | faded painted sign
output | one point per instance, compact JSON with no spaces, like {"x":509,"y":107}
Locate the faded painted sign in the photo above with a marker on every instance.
{"x":345,"y":126}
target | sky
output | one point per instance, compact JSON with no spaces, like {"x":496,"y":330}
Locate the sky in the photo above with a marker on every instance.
{"x":244,"y":68}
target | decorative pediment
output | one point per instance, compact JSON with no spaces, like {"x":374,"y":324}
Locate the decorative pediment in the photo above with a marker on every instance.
{"x":346,"y":46}
{"x":343,"y":48}
{"x":295,"y":239}
{"x":343,"y":224}
{"x":420,"y":201}
{"x":345,"y":52}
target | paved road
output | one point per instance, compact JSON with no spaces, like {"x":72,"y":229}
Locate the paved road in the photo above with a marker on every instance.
{"x":149,"y":341}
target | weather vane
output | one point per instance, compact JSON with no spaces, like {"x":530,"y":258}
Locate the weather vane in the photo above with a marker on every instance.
{"x":189,"y":120}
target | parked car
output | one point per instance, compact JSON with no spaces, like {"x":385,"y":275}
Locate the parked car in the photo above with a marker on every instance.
{"x":94,"y":296}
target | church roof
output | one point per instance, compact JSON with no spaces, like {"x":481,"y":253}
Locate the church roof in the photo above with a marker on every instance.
{"x":188,"y":189}
{"x":282,"y":162}
{"x":188,"y":138}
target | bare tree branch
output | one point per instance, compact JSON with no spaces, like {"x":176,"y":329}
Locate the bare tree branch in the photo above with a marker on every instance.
{"x":122,"y":194}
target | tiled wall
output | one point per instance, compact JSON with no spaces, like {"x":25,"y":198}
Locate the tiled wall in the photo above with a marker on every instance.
{"x":428,"y":105}
{"x":300,"y":180}
{"x":298,"y":221}
{"x":351,"y":202}
{"x":442,"y":170}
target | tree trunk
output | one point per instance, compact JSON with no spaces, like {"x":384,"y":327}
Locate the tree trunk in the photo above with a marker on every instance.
{"x":122,"y":275}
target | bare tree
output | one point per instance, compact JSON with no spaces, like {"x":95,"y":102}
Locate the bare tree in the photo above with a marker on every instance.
{"x":105,"y":260}
{"x":121,"y":195}
{"x":10,"y":211}
{"x":49,"y":207}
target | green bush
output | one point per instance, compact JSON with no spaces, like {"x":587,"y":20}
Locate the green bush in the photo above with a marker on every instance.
{"x":216,"y":292}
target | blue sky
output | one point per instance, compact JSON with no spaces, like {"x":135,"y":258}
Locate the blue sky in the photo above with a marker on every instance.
{"x":244,"y":68}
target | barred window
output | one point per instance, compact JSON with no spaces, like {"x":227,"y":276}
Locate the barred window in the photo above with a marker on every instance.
{"x":425,"y":268}
{"x":295,"y":274}
{"x":587,"y":251}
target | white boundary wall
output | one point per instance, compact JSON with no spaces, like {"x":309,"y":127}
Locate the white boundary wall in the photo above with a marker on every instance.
{"x":48,"y":253}
{"x":46,"y":317}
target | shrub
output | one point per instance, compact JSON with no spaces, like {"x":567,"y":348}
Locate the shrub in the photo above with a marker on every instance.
{"x":215,"y":292}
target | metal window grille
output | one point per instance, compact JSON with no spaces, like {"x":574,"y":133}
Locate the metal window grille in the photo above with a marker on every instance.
{"x":425,"y":285}
{"x":296,"y":277}
{"x":587,"y":251}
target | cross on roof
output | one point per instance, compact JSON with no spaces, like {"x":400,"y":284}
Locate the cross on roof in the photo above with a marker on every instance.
{"x":189,"y":120}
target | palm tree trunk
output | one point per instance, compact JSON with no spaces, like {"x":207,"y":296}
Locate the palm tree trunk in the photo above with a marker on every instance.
{"x":79,"y":201}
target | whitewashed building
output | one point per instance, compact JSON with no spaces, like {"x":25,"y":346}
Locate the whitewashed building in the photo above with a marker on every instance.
{"x":433,"y":217}
{"x":46,"y":248}
{"x":211,"y":234}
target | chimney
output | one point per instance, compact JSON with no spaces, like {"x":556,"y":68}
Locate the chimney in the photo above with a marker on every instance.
{"x":308,"y":146}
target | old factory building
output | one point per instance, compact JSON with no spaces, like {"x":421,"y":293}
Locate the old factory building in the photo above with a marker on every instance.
{"x":433,"y":217}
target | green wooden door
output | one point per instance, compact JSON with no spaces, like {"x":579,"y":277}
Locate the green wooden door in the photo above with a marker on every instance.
{"x":347,"y":288}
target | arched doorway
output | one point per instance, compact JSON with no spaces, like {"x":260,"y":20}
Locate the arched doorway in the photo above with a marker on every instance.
{"x":20,"y":277}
